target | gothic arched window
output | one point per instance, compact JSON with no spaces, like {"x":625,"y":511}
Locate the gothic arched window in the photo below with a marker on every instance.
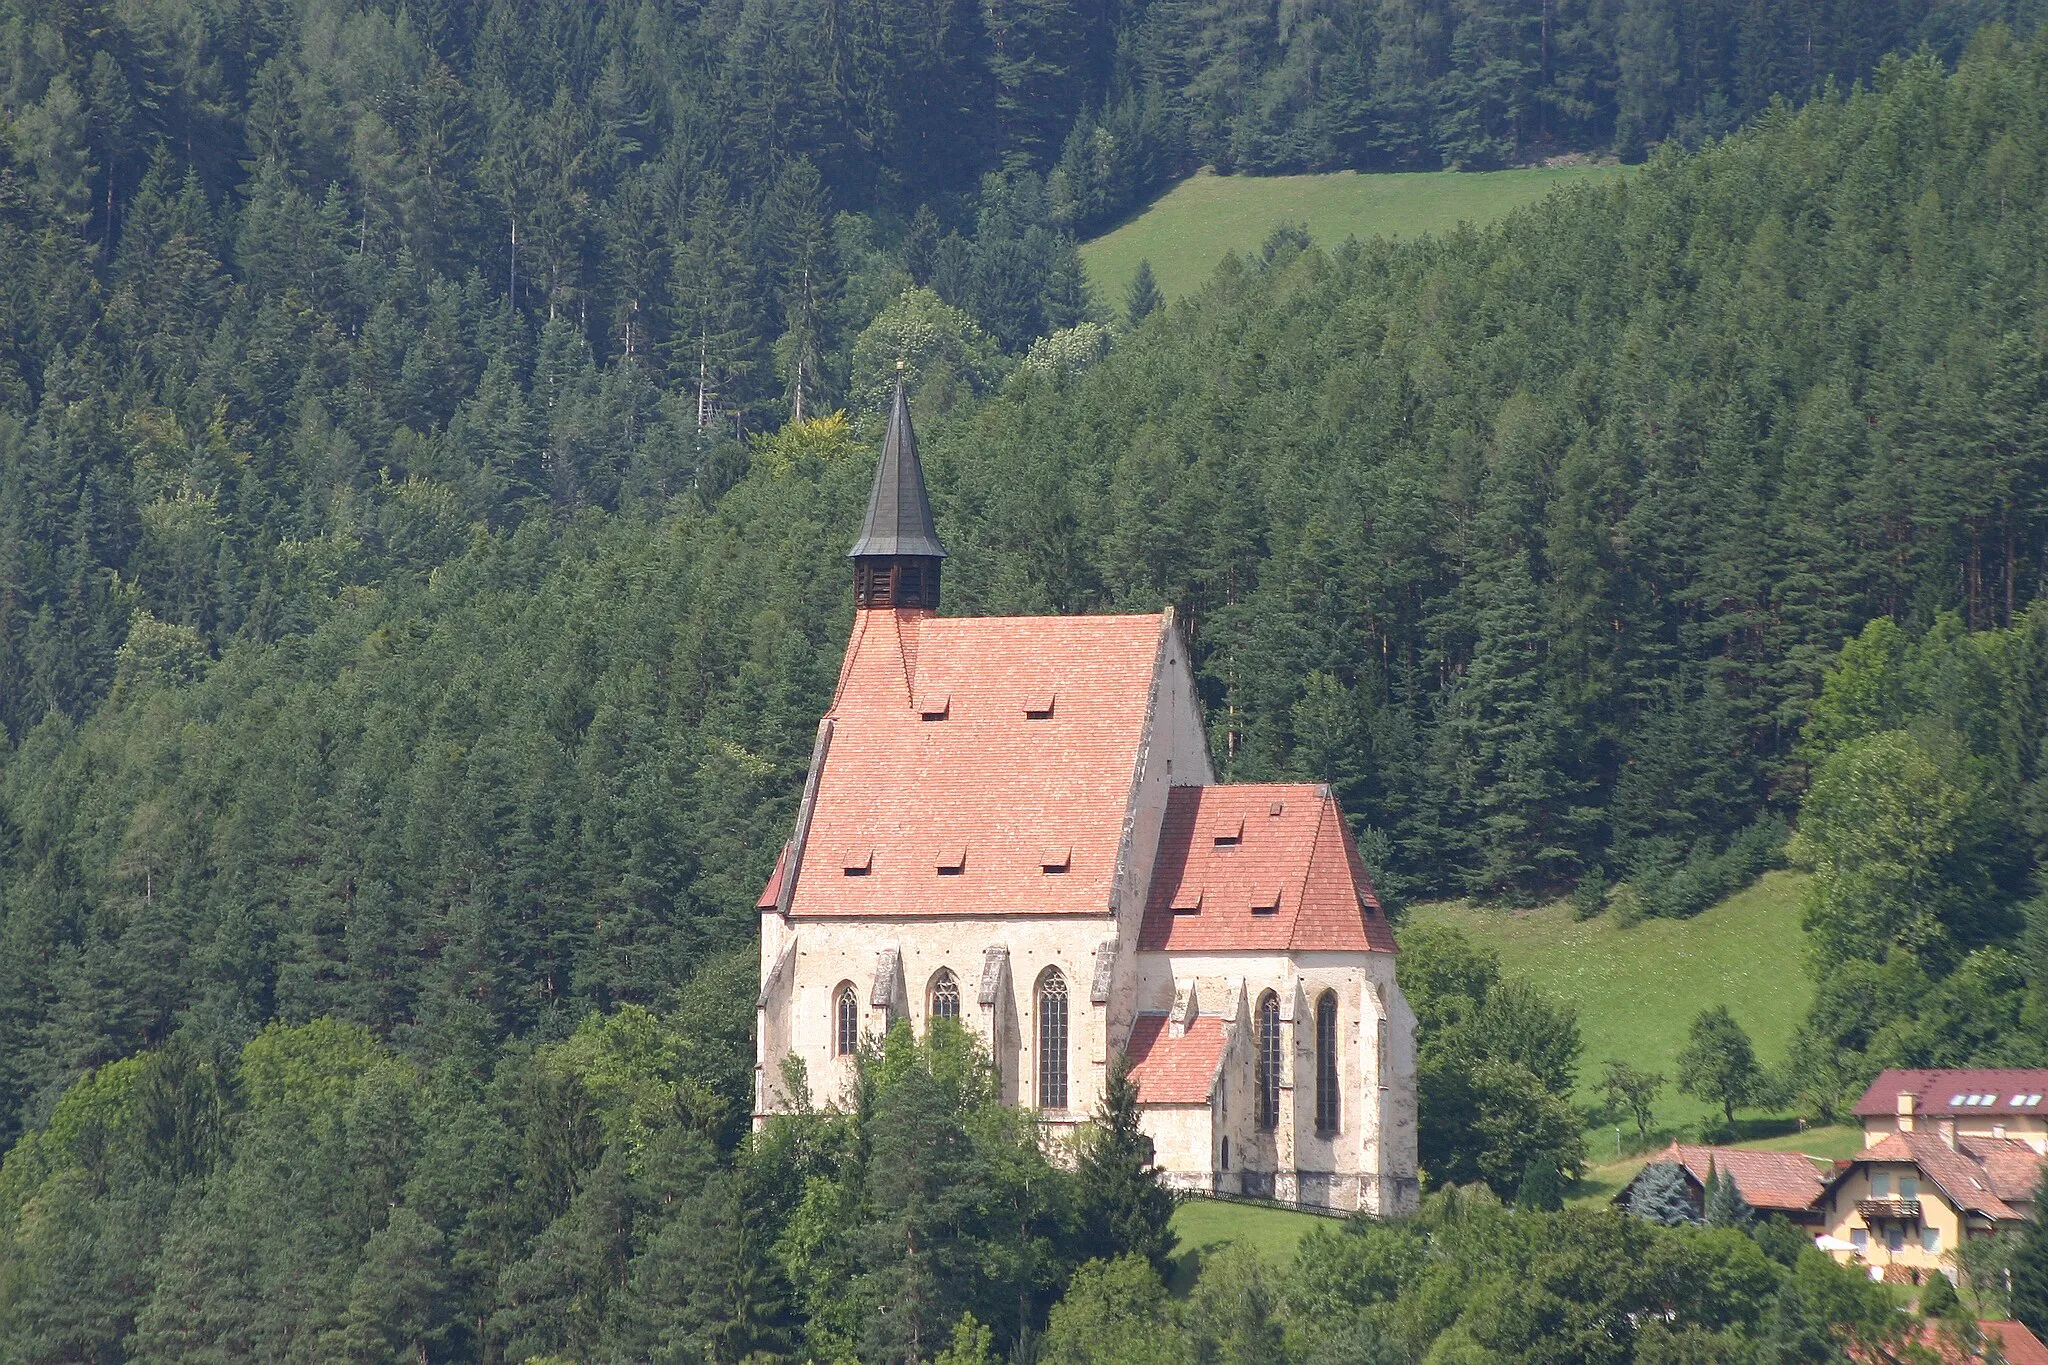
{"x":1269,"y":1060}
{"x":1052,"y":1040}
{"x":1329,"y":1102}
{"x":845,"y":1022}
{"x":945,"y":997}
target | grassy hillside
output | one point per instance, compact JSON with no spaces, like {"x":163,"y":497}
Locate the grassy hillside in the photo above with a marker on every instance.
{"x":1185,"y":233}
{"x":1637,"y":989}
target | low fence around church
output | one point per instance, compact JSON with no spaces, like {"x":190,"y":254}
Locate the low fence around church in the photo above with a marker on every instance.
{"x":1258,"y":1202}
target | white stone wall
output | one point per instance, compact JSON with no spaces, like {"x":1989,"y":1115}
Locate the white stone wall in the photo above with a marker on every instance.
{"x":1370,"y":1160}
{"x":1184,"y":1142}
{"x":799,"y":1016}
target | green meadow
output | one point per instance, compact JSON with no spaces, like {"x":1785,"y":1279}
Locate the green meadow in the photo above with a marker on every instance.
{"x":1186,"y":231}
{"x":1205,"y":1226}
{"x":1638,"y":988}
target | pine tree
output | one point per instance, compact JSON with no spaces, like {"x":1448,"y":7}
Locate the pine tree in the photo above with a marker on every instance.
{"x":399,"y":1309}
{"x":715,"y":335}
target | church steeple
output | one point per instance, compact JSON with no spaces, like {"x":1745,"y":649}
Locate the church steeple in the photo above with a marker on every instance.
{"x":896,"y":559}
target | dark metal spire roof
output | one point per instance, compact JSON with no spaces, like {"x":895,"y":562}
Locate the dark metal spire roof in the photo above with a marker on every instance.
{"x":899,"y":514}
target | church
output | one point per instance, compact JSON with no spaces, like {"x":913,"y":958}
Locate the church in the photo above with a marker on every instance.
{"x":1013,"y":822}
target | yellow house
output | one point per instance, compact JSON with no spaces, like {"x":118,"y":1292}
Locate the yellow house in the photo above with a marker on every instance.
{"x":1904,"y":1204}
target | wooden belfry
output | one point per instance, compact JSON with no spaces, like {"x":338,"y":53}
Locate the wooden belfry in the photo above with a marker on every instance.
{"x":896,"y":560}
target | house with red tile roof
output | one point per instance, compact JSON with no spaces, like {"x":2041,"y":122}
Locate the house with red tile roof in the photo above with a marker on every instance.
{"x":1014,"y":823}
{"x":1948,"y":1344}
{"x":1903,"y":1205}
{"x":1770,"y":1182}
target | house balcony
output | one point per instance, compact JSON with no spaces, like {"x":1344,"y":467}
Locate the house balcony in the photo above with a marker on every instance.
{"x":1888,"y":1210}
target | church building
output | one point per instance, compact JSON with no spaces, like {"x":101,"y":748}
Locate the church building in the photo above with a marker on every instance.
{"x":1013,"y":822}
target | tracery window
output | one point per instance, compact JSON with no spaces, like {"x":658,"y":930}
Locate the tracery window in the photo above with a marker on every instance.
{"x":1052,"y":1040}
{"x":945,"y":997}
{"x":845,"y":1022}
{"x":1329,"y":1100}
{"x":1269,"y":1060}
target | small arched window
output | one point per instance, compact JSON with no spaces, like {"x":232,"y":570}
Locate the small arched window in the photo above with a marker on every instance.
{"x":1329,"y":1102}
{"x":1269,"y":1060}
{"x":845,"y":1022}
{"x":945,"y":997}
{"x":1052,"y":1040}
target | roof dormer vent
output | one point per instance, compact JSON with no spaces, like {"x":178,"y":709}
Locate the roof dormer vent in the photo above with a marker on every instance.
{"x":935,"y":706}
{"x":1038,"y":706}
{"x":1266,"y":902}
{"x":1187,"y":901}
{"x":859,"y":863}
{"x":951,"y":862}
{"x":1056,"y":859}
{"x":1229,"y":834}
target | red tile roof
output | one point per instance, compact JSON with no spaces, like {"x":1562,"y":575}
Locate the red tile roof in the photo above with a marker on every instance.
{"x":2018,"y":1345}
{"x":1949,"y":1094}
{"x":1259,"y":867}
{"x":1961,"y":1178}
{"x":904,"y":796}
{"x":771,"y":894}
{"x":1783,"y":1181}
{"x":1171,"y":1070}
{"x":2013,"y":1168}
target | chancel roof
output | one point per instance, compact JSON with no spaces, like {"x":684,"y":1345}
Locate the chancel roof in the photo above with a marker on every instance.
{"x":1259,"y":867}
{"x":977,"y":765}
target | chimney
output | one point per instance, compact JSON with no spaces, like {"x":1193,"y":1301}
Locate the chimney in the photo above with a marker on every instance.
{"x":1908,"y":1102}
{"x":1947,"y":1129}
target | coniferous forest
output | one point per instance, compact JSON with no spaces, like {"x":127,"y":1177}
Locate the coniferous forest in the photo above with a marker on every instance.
{"x":429,"y":439}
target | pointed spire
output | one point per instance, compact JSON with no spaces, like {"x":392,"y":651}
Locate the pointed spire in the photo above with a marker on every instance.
{"x":899,"y":522}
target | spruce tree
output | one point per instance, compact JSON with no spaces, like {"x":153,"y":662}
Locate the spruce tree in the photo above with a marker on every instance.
{"x":1143,"y":298}
{"x":1542,"y":1188}
{"x":1662,"y":1194}
{"x":1724,"y":1205}
{"x":2029,"y":1270}
{"x":1127,"y":1209}
{"x":1938,"y":1298}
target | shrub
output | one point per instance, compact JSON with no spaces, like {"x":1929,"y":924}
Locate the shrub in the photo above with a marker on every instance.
{"x":1590,"y":898}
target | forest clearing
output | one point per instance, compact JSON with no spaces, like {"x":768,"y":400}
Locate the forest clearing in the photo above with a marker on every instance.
{"x":1187,"y":230}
